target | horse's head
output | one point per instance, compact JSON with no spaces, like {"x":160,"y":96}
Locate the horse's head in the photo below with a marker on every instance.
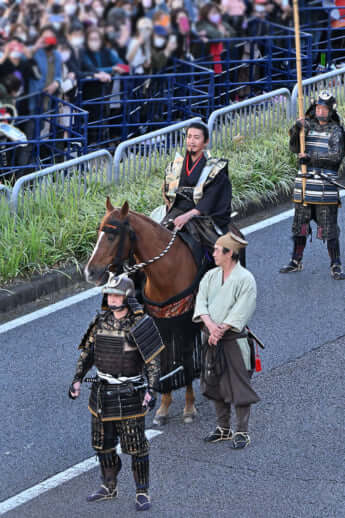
{"x":113,"y":245}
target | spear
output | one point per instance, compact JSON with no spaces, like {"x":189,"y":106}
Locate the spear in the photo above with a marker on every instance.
{"x":300,"y":91}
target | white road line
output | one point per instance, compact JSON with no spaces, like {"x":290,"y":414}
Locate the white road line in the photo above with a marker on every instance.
{"x":49,"y":309}
{"x":57,"y":480}
{"x":95,"y":291}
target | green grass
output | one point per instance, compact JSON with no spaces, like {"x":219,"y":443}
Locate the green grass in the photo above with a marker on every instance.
{"x":61,"y":228}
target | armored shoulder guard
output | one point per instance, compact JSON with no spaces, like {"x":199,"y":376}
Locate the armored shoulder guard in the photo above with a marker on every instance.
{"x":87,"y":334}
{"x":147,"y":338}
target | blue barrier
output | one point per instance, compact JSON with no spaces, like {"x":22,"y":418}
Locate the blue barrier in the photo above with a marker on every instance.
{"x":133,"y":105}
{"x":57,"y":132}
{"x":326,"y":24}
{"x":249,"y":66}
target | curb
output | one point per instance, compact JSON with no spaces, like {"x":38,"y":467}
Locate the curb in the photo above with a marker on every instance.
{"x":22,"y":293}
{"x":17,"y":295}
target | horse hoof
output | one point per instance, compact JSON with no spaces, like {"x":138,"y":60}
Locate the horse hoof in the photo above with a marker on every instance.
{"x":160,"y":420}
{"x":189,"y":418}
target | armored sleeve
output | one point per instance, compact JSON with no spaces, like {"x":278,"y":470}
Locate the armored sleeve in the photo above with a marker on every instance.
{"x":152,"y":371}
{"x":86,"y":357}
{"x":331,"y":158}
{"x":294,"y":136}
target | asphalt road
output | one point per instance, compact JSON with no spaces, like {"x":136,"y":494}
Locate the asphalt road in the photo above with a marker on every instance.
{"x":294,"y":466}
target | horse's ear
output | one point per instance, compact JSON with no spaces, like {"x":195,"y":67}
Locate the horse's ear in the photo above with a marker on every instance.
{"x":124,"y":209}
{"x":108,"y":204}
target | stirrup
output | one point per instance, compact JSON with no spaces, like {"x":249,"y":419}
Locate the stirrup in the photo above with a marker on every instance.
{"x":293,"y":266}
{"x":240,"y":440}
{"x":103,"y":493}
{"x":219,"y":434}
{"x":142,"y":502}
{"x":337,"y":272}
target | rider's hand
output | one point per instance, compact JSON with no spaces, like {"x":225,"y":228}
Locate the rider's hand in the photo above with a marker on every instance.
{"x":74,"y":390}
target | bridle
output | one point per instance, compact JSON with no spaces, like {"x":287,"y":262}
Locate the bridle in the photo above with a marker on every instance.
{"x":122,"y":228}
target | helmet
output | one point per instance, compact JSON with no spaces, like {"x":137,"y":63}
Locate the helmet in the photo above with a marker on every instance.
{"x":327,"y":99}
{"x":119,"y":285}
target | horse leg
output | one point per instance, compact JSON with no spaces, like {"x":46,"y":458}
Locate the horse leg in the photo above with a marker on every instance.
{"x":161,"y":416}
{"x":189,"y":411}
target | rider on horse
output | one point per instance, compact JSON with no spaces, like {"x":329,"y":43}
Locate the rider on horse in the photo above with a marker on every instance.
{"x":197,"y":190}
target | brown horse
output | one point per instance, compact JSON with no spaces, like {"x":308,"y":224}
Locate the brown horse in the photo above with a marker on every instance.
{"x":165,"y":278}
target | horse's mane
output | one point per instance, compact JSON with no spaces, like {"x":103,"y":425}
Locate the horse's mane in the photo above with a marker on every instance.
{"x":147,"y":220}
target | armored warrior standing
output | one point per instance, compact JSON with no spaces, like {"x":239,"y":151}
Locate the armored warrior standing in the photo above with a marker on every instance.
{"x":123,"y":343}
{"x":324,"y":143}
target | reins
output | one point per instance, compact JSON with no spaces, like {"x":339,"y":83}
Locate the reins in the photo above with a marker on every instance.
{"x":122,"y":227}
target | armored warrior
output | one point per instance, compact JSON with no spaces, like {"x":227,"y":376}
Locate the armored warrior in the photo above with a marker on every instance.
{"x":324,"y":143}
{"x":197,"y":190}
{"x":225,"y":302}
{"x":123,"y":343}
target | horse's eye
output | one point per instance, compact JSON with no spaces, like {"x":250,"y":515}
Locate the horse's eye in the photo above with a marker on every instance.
{"x":110,"y":237}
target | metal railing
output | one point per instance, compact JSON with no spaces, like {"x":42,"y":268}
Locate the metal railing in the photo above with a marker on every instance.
{"x":333,"y":81}
{"x":247,"y":118}
{"x":76,"y":174}
{"x":149,"y":151}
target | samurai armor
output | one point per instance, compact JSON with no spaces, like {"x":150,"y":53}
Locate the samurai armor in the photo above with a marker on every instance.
{"x":147,"y":338}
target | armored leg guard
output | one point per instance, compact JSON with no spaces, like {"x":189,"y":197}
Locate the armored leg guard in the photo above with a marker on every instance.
{"x":140,"y":468}
{"x":110,"y":467}
{"x":334,"y":255}
{"x":295,"y":265}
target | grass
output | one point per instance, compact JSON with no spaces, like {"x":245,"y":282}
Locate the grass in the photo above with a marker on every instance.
{"x":61,"y":228}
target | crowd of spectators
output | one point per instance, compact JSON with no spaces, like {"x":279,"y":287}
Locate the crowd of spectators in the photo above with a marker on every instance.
{"x":48,"y":46}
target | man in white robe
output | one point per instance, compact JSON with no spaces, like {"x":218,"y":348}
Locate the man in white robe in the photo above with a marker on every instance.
{"x":225,"y":303}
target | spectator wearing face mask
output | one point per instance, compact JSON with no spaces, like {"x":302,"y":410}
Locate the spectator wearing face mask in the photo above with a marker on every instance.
{"x":54,"y":15}
{"x":17,"y":60}
{"x":181,"y":27}
{"x":139,"y":48}
{"x":164,"y":46}
{"x":96,"y":57}
{"x":235,"y":14}
{"x":212,"y":27}
{"x":146,"y":9}
{"x":49,"y":63}
{"x":211,"y":24}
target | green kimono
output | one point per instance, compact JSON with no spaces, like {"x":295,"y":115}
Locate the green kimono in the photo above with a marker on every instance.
{"x":226,"y":368}
{"x":231,"y":303}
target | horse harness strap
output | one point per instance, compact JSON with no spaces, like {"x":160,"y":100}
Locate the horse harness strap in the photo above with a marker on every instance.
{"x":122,"y":227}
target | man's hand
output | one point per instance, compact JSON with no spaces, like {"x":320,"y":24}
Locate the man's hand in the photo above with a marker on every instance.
{"x":51,"y":89}
{"x":149,"y":400}
{"x":74,"y":390}
{"x":181,"y":220}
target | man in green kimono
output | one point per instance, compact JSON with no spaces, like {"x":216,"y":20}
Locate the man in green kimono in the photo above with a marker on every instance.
{"x":225,"y":302}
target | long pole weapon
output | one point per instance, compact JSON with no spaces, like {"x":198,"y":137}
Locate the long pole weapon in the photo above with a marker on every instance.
{"x":300,"y":92}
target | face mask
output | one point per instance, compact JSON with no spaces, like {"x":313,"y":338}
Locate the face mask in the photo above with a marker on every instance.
{"x":70,"y":9}
{"x":15,"y":54}
{"x":99,"y":11}
{"x":57,"y":26}
{"x":183,"y":24}
{"x":214,"y":18}
{"x":65,"y":55}
{"x":77,"y":42}
{"x":112,"y":36}
{"x":21,"y":36}
{"x":177,"y":4}
{"x":158,"y":42}
{"x":147,"y":4}
{"x":160,"y":2}
{"x":94,"y":46}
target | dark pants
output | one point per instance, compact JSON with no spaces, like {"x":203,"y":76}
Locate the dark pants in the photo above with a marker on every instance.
{"x":223,"y":412}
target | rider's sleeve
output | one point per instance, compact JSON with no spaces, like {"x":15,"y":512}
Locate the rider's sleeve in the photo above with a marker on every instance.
{"x":216,"y":198}
{"x":86,"y":358}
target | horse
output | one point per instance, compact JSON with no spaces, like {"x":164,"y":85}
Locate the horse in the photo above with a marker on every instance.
{"x":168,"y":263}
